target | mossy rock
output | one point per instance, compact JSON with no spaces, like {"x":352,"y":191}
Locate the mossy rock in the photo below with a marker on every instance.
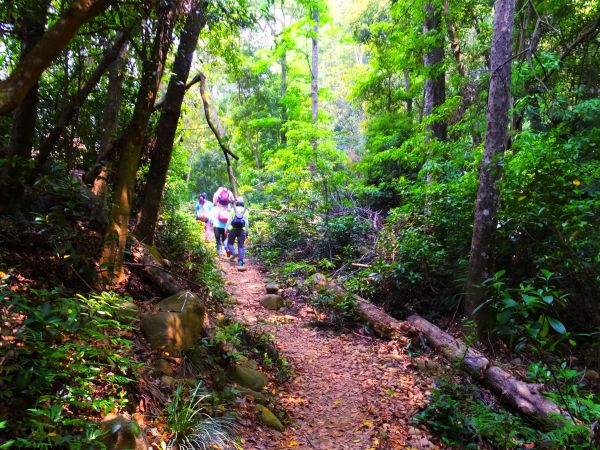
{"x":272,"y":288}
{"x":268,"y":418}
{"x":250,"y":378}
{"x":247,"y":362}
{"x":163,"y":366}
{"x":172,"y":332}
{"x":181,"y":301}
{"x":272,"y":301}
{"x":258,"y":397}
{"x":123,"y":434}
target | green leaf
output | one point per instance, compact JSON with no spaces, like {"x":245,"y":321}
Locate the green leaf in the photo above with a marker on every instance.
{"x":557,"y":325}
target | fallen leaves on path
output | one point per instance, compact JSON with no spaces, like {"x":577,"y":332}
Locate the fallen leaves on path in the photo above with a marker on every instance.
{"x":348,"y":391}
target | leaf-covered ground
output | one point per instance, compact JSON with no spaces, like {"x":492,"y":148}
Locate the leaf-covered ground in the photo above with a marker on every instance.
{"x":347,"y":391}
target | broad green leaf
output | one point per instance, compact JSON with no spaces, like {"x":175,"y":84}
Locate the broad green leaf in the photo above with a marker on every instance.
{"x":557,"y":325}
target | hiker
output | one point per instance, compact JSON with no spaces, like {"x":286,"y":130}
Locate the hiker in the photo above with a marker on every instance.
{"x":223,"y":196}
{"x":237,"y":227}
{"x":204,"y":214}
{"x":221,"y":212}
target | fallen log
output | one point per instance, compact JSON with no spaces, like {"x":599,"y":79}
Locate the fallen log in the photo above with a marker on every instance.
{"x":525,"y":397}
{"x":384,"y":324}
{"x":151,"y":264}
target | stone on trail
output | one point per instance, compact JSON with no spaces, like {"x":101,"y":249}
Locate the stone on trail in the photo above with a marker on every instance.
{"x":272,"y":288}
{"x":272,"y":301}
{"x":250,"y":378}
{"x":268,"y":418}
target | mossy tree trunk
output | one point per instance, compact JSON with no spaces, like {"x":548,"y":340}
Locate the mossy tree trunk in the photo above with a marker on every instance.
{"x":130,"y":148}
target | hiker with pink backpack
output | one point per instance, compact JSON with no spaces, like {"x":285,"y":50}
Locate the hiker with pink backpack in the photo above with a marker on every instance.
{"x":222,"y":200}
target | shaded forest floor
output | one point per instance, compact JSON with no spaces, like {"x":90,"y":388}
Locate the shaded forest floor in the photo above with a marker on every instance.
{"x":347,"y":390}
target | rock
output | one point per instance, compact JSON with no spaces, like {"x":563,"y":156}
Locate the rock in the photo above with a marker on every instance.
{"x":250,"y":378}
{"x":246,"y":362}
{"x":242,"y":269}
{"x":591,"y":376}
{"x":123,"y":434}
{"x":272,"y":288}
{"x":182,"y":301}
{"x":163,"y":366}
{"x":168,"y":381}
{"x":179,"y":324}
{"x":259,"y":397}
{"x":272,"y":301}
{"x":268,"y":418}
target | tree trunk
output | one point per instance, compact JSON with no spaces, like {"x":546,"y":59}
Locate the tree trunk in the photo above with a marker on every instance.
{"x":435,"y":83}
{"x":219,"y":134}
{"x":99,"y":173}
{"x":314,"y":75}
{"x":167,"y":125}
{"x":24,"y":117}
{"x":70,"y":110}
{"x":409,"y":102}
{"x":282,"y":96}
{"x":481,"y":263}
{"x":111,"y":260}
{"x":29,"y":69}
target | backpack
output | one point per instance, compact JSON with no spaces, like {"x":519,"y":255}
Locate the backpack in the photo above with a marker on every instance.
{"x":238,"y":219}
{"x":222,"y":215}
{"x":224,"y":197}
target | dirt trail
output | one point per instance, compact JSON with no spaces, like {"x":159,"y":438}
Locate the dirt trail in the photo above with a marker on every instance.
{"x":347,"y":391}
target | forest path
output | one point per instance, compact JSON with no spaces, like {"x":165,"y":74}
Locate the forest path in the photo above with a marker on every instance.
{"x":347,"y":391}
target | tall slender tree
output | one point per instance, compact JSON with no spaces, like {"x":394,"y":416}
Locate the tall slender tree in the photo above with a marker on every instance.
{"x":167,"y":124}
{"x":481,"y":263}
{"x":435,"y":83}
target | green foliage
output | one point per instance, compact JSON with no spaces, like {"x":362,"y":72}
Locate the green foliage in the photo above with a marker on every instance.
{"x":529,"y":314}
{"x":284,"y":236}
{"x":191,"y":427}
{"x":339,"y":307}
{"x":183,"y":236}
{"x":341,"y":237}
{"x":463,"y":419}
{"x":70,"y":360}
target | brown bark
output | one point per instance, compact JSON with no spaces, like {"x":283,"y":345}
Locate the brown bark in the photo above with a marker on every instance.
{"x":167,"y":124}
{"x":409,"y":102}
{"x":282,"y":95}
{"x":435,"y":83}
{"x":72,"y":108}
{"x":481,"y":263}
{"x":111,"y":260}
{"x":219,"y":135}
{"x":28,"y":71}
{"x":314,"y":73}
{"x":99,"y":173}
{"x":454,"y":42}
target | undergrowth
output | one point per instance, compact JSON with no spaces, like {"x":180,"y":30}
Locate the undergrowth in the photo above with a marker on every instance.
{"x":67,"y":361}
